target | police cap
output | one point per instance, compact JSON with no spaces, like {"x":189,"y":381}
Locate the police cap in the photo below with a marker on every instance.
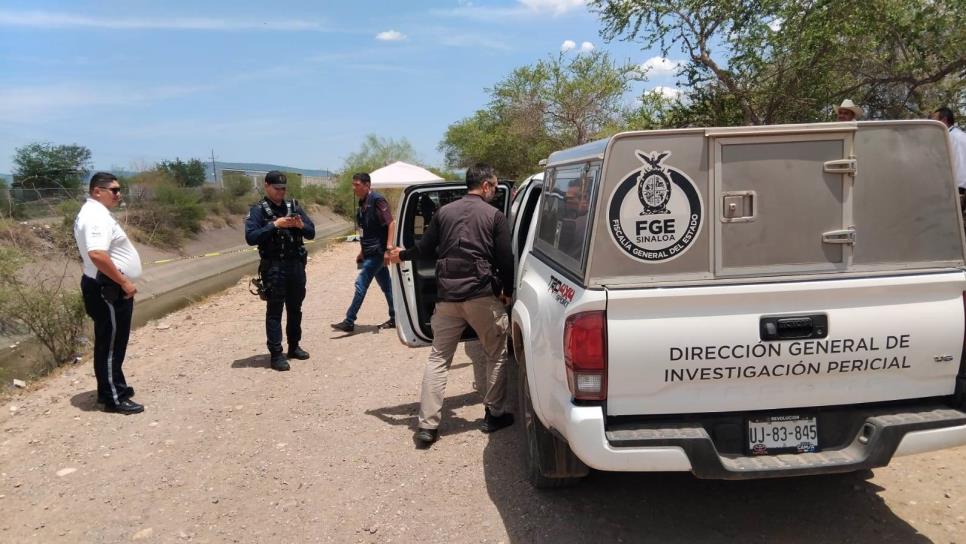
{"x":275,"y":178}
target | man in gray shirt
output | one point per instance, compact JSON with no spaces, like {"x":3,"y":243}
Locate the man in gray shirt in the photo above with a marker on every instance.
{"x":474,"y":274}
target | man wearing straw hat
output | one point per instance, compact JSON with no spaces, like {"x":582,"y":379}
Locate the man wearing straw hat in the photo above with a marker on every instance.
{"x":848,"y":111}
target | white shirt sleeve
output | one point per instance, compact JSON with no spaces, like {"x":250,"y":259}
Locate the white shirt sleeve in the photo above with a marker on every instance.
{"x":958,"y":141}
{"x":97,"y":233}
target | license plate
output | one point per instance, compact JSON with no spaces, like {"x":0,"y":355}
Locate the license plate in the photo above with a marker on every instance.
{"x":782,"y":434}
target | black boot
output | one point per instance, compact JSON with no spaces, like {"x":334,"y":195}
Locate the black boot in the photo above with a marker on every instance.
{"x":295,"y":352}
{"x":279,"y":362}
{"x":391,"y":324}
{"x":424,"y":438}
{"x":493,"y":423}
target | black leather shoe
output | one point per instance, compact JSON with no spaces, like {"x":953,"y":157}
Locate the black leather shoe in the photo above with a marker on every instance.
{"x":297,"y":353}
{"x":126,"y":406}
{"x":279,"y":362}
{"x":424,"y":438}
{"x":344,"y":326}
{"x":492,"y":423}
{"x":391,"y":324}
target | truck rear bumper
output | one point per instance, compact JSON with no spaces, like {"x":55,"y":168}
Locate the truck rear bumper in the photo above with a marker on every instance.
{"x":689,"y":447}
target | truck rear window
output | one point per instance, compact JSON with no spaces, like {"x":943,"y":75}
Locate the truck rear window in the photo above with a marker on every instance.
{"x":566,"y":214}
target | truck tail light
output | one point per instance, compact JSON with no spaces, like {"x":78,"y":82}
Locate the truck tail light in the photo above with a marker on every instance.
{"x":585,"y":352}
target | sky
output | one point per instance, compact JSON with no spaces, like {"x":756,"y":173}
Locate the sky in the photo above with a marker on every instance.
{"x":292,"y":82}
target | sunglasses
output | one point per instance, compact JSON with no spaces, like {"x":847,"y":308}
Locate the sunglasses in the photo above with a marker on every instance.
{"x":114,"y":190}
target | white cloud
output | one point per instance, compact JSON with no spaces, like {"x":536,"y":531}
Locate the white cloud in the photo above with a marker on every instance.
{"x":667,"y":92}
{"x":586,"y":47}
{"x":19,"y":104}
{"x":523,"y":8}
{"x":776,"y":24}
{"x":48,"y":19}
{"x":554,"y":7}
{"x":567,"y":45}
{"x":455,"y":39}
{"x":660,"y":66}
{"x":391,"y":36}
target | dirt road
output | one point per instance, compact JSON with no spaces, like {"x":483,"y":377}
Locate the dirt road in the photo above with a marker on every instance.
{"x":231,"y":451}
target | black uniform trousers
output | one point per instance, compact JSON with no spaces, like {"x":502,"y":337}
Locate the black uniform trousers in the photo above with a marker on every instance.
{"x":285,"y":281}
{"x":112,"y":328}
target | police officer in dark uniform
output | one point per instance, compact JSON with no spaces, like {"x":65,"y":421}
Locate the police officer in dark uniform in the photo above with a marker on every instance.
{"x":278,"y":226}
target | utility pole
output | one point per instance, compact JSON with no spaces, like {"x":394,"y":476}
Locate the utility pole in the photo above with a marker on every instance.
{"x":214,"y":170}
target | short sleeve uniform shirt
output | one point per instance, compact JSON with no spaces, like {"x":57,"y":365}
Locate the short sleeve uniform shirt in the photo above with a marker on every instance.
{"x":96,"y":229}
{"x":957,"y":141}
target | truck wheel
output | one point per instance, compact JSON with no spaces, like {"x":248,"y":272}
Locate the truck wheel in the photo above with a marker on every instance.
{"x":549,"y":461}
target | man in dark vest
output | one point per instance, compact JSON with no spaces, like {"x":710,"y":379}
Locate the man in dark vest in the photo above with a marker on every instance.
{"x":474,"y":278}
{"x":375,"y":220}
{"x":278,"y":226}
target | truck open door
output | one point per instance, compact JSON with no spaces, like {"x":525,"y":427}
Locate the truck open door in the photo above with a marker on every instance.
{"x":414,"y":282}
{"x":522,"y":211}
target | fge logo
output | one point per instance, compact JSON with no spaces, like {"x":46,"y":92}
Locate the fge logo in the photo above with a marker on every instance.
{"x":656,"y":230}
{"x":655,"y":213}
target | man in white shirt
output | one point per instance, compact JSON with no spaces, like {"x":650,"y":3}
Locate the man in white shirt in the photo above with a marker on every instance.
{"x":111,"y":263}
{"x":957,"y":145}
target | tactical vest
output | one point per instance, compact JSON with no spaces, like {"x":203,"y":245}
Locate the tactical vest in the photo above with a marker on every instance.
{"x":285,"y":244}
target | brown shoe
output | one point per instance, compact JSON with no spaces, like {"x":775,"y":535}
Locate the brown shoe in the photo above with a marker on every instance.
{"x":344,"y":326}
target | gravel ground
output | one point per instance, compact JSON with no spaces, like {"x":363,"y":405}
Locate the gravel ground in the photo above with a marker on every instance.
{"x":230,"y":451}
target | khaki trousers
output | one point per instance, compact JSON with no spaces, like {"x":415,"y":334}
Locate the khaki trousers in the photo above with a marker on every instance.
{"x":488,"y":318}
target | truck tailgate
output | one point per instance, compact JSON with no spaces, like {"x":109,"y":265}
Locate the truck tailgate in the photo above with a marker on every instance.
{"x":700,"y":349}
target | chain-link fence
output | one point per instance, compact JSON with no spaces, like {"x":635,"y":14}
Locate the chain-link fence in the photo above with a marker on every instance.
{"x":32,"y":203}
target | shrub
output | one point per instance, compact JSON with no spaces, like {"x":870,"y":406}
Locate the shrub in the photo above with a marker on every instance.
{"x":237,"y":185}
{"x":209,"y":193}
{"x":53,"y":314}
{"x":6,"y":203}
{"x":317,"y":194}
{"x":343,"y":199}
{"x":63,"y":234}
{"x":236,"y":193}
{"x":167,"y":215}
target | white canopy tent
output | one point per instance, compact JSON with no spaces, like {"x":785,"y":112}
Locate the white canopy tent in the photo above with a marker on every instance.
{"x":401,"y":174}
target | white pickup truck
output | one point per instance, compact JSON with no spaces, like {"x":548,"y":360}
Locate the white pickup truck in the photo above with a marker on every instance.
{"x":735,"y":302}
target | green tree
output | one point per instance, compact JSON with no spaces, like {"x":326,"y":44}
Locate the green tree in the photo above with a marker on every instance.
{"x":489,"y":137}
{"x":558,"y":102}
{"x":779,"y":61}
{"x":43,"y":165}
{"x":374,"y":153}
{"x":185,"y":174}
